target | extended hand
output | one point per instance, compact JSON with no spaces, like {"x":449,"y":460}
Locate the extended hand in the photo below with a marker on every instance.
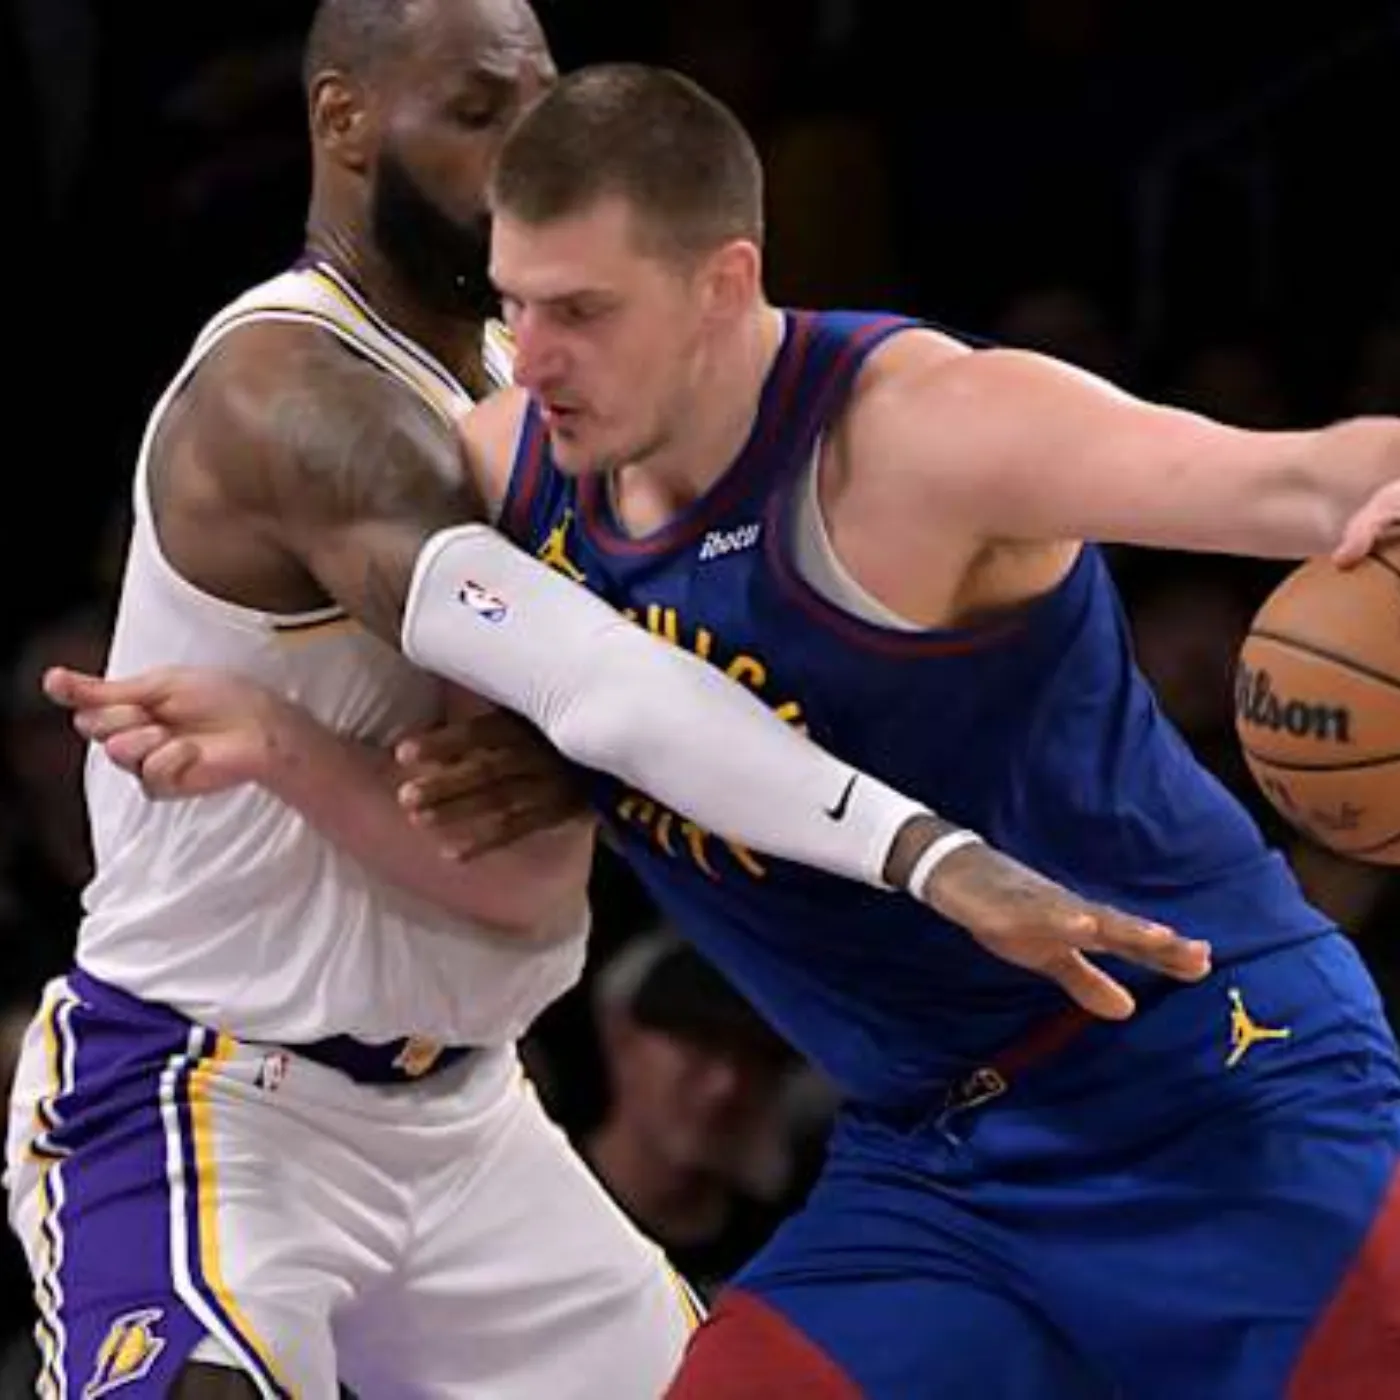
{"x":1377,"y":519}
{"x":1026,"y":919}
{"x":183,"y":731}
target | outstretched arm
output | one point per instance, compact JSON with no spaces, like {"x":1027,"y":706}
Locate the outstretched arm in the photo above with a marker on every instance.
{"x":189,"y":731}
{"x":364,"y":486}
{"x":1022,"y":447}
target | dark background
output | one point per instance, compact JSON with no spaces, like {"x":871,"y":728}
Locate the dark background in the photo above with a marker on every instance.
{"x":1195,"y":199}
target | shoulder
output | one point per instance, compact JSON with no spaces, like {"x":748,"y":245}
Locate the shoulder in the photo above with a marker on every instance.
{"x":904,"y":363}
{"x":491,"y":431}
{"x":275,"y":398}
{"x":255,"y":373}
{"x":893,"y":389}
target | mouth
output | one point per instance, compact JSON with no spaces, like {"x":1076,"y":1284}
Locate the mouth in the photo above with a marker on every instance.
{"x":559,"y":415}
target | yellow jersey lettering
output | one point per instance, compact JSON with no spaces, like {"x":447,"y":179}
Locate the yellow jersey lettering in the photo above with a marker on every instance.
{"x":695,"y":838}
{"x":669,"y":832}
{"x":749,"y":671}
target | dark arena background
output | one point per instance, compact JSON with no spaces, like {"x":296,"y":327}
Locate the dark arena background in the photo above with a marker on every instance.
{"x":1195,"y":200}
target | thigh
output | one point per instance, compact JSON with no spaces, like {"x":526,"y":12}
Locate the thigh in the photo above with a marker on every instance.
{"x":1280,"y":1278}
{"x":1263,"y":1251}
{"x":878,"y":1289}
{"x":879,"y":1339}
{"x":523,"y":1280}
{"x":138,"y":1187}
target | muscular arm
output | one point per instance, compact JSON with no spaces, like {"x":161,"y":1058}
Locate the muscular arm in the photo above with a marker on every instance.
{"x":1022,"y":448}
{"x":361,"y":485}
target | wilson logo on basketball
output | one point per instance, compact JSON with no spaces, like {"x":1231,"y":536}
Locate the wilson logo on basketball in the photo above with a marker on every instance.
{"x":1257,"y":703}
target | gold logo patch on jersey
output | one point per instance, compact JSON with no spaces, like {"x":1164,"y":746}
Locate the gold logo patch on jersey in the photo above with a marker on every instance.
{"x":1245,"y":1032}
{"x":555,"y":550}
{"x":128,"y":1353}
{"x":418,"y":1056}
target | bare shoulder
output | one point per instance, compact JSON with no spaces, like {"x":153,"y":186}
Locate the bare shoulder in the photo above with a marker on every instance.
{"x":294,"y":422}
{"x":878,"y":426}
{"x":282,"y":436}
{"x":912,"y":490}
{"x":490,"y":431}
{"x":955,"y":415}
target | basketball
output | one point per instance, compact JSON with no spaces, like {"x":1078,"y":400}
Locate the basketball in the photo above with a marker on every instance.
{"x":1317,"y":704}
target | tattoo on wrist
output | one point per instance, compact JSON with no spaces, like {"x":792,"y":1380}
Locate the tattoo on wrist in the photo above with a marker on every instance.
{"x":914,"y":838}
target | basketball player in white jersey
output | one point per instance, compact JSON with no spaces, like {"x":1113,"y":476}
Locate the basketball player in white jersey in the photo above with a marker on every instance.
{"x":271,"y":1131}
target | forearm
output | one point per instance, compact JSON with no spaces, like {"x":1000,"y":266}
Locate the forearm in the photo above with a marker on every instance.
{"x":347,"y":791}
{"x":1282,"y":495}
{"x":615,"y":699}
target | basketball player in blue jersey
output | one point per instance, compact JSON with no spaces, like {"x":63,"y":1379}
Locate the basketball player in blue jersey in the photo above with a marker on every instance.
{"x":877,"y":531}
{"x":266,"y":1132}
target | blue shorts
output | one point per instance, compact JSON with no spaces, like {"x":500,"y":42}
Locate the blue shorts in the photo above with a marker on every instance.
{"x":1199,"y":1205}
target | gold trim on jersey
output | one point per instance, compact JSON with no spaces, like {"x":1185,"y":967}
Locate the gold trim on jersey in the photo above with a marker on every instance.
{"x":49,"y":1330}
{"x":692,"y":1308}
{"x":294,"y":632}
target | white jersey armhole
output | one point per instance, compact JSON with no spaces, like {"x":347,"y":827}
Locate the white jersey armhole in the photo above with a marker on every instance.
{"x":814,"y":556}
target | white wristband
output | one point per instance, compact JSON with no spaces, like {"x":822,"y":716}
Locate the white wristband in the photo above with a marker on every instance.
{"x":937,"y":853}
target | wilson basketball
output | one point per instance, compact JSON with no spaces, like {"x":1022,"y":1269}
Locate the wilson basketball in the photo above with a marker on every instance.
{"x":1317,"y":704}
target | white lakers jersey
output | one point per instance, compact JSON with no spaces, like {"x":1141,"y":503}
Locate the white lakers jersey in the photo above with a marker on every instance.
{"x":231,"y":908}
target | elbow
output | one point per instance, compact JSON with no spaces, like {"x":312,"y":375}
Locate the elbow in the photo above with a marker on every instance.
{"x":604,"y":730}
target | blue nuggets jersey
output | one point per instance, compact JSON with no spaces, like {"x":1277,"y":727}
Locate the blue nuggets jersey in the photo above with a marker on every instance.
{"x":1036,"y":731}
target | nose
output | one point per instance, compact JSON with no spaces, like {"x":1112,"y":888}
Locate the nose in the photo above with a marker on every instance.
{"x":537,"y":353}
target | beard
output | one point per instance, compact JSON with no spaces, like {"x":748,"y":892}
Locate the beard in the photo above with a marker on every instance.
{"x":441,"y":261}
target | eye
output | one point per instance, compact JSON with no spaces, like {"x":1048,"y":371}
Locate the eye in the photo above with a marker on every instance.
{"x":581,"y":313}
{"x":477,"y":116}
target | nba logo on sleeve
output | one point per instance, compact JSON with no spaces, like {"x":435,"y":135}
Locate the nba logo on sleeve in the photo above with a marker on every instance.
{"x":489,"y":606}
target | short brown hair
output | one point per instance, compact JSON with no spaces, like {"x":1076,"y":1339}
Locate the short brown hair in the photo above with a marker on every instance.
{"x":649,"y":135}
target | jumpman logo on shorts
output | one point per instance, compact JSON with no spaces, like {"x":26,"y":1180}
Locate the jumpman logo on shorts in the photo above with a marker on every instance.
{"x":1245,"y":1032}
{"x":555,"y":551}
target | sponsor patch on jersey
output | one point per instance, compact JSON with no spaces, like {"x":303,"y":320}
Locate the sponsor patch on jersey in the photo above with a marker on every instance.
{"x":718,"y":543}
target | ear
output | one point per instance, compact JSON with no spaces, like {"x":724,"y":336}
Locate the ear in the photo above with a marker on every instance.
{"x":732,"y":279}
{"x":342,"y":120}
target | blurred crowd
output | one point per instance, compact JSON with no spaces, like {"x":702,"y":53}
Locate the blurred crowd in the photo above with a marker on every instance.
{"x":1191,"y":201}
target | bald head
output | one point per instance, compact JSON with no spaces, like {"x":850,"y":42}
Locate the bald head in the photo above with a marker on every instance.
{"x":409,"y":101}
{"x":363,"y":38}
{"x":353,"y":36}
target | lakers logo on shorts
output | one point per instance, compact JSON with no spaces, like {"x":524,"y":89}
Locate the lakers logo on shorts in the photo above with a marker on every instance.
{"x":1245,"y":1032}
{"x":128,"y":1353}
{"x":418,"y":1056}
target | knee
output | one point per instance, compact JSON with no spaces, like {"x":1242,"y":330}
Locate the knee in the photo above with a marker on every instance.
{"x":748,"y":1351}
{"x":200,"y":1382}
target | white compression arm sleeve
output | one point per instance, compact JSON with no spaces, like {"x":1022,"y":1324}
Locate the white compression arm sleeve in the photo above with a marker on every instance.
{"x":611,"y":697}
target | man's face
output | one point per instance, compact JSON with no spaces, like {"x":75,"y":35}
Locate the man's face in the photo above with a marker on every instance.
{"x":444,"y":108}
{"x":610,"y":335}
